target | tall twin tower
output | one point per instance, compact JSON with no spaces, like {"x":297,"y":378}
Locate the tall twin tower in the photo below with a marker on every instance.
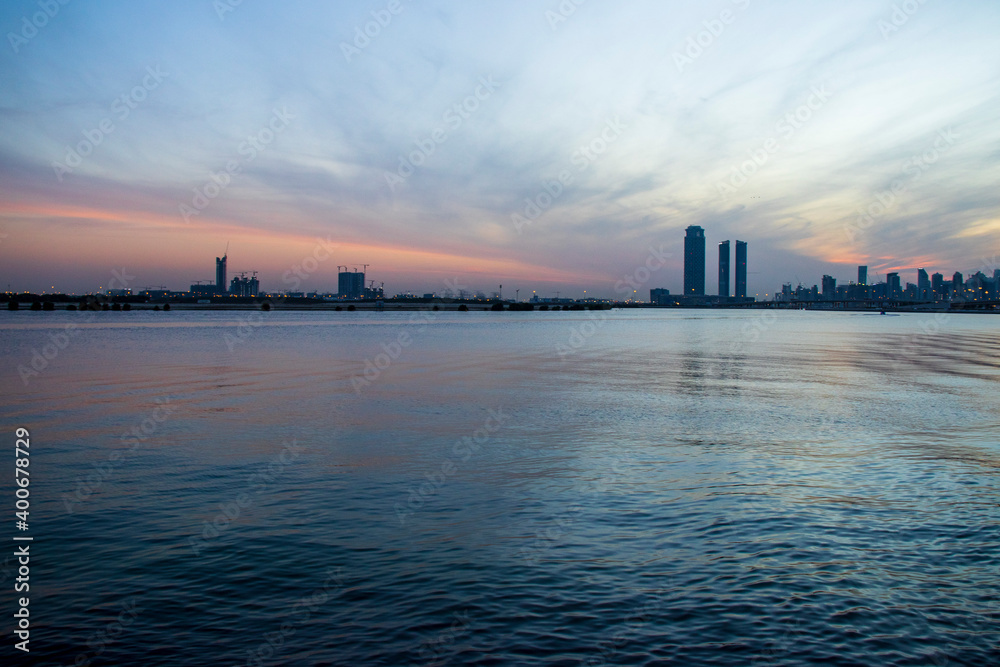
{"x":694,"y":265}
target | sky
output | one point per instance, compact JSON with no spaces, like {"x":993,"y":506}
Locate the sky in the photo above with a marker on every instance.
{"x":544,"y":146}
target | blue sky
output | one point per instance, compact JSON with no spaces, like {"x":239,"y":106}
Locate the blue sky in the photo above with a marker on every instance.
{"x":826,"y":134}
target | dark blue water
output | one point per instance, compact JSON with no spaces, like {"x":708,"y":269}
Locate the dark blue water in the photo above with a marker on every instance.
{"x":634,"y":488}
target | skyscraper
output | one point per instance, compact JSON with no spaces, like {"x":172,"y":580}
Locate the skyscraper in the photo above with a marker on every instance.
{"x":893,"y":288}
{"x":741,"y":269}
{"x":724,"y":268}
{"x":937,"y":285}
{"x":862,"y":275}
{"x":694,"y":261}
{"x":923,"y":285}
{"x":220,"y":275}
{"x":829,"y":288}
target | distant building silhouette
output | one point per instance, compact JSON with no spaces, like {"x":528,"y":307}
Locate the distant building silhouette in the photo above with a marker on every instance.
{"x":937,"y":286}
{"x":862,"y":275}
{"x":724,"y":268}
{"x":923,"y":285}
{"x":694,"y":261}
{"x":741,"y":269}
{"x":351,"y":284}
{"x":659,"y":297}
{"x":220,"y":275}
{"x":829,"y":288}
{"x":894,"y":289}
{"x":244,"y":286}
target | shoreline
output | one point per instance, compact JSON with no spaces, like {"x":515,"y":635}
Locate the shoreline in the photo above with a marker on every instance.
{"x":455,"y":306}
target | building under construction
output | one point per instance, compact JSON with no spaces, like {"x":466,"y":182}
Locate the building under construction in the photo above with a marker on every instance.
{"x":242,"y":285}
{"x":351,"y":285}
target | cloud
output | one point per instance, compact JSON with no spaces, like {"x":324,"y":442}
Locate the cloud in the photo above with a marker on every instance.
{"x":356,"y":119}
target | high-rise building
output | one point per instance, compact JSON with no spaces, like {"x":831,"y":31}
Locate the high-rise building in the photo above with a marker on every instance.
{"x":893,"y":288}
{"x":829,"y":288}
{"x":957,"y":286}
{"x":862,"y":275}
{"x":977,"y":286}
{"x":923,"y":285}
{"x":241,"y":285}
{"x":741,"y":269}
{"x":220,"y":275}
{"x":724,"y":268}
{"x":351,"y":284}
{"x":937,"y":286}
{"x":694,"y":261}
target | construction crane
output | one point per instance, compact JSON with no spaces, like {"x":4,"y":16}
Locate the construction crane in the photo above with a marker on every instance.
{"x":365,"y":267}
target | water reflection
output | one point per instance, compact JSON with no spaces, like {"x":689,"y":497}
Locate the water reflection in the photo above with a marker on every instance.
{"x":824,"y":492}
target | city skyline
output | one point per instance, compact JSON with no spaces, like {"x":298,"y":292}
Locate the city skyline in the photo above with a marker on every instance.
{"x":509,"y":332}
{"x":499,"y":147}
{"x":351,"y":284}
